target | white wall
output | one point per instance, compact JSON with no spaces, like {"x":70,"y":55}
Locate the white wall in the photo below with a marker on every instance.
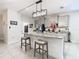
{"x":27,"y":21}
{"x":14,"y":33}
{"x":73,"y":26}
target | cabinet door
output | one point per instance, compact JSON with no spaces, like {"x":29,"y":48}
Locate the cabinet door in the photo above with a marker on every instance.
{"x":63,"y":21}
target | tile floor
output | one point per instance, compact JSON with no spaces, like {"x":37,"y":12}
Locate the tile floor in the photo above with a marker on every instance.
{"x":71,"y":50}
{"x":14,"y":51}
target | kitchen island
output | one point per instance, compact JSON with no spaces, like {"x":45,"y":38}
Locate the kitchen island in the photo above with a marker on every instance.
{"x":55,"y":43}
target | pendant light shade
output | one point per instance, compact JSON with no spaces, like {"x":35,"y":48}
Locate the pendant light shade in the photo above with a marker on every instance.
{"x":42,"y":12}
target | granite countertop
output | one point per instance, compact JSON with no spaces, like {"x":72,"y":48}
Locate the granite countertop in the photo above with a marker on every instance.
{"x":48,"y":35}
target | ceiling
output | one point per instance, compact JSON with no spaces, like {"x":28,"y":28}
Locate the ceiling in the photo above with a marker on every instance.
{"x":53,"y":6}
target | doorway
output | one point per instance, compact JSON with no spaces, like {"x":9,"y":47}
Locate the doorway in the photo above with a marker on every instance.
{"x":3,"y":26}
{"x":26,"y":29}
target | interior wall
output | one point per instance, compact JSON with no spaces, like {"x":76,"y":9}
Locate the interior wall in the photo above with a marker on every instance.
{"x":27,"y":21}
{"x":14,"y":31}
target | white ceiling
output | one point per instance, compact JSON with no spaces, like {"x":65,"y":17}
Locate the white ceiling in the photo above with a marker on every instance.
{"x":53,"y":6}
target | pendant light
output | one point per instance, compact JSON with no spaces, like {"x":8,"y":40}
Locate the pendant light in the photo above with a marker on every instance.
{"x":42,"y":12}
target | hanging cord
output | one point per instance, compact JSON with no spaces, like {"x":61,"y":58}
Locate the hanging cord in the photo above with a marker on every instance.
{"x":30,"y":5}
{"x":41,"y":6}
{"x":36,"y":8}
{"x":26,"y":7}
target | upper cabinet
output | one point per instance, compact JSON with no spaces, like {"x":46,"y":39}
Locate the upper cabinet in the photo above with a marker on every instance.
{"x":63,"y":21}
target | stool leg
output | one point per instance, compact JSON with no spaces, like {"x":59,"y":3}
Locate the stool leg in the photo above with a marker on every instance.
{"x":47,"y":50}
{"x":35,"y":49}
{"x":21,"y":42}
{"x":42,"y":52}
{"x":30,"y":43}
{"x":39,"y":48}
{"x":25,"y":45}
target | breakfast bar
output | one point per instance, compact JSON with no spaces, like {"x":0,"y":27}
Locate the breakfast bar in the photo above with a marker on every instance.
{"x":55,"y":43}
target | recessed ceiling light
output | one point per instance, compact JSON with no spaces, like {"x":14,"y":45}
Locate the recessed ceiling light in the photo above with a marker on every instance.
{"x":61,"y":7}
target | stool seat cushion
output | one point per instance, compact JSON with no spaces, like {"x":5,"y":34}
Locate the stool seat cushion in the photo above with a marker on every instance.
{"x":25,"y":38}
{"x":40,"y":42}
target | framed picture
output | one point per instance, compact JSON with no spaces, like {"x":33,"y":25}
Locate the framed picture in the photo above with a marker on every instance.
{"x":31,"y":25}
{"x":13,"y":22}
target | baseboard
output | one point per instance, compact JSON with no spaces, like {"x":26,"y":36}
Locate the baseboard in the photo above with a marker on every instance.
{"x":9,"y":43}
{"x":75,"y":41}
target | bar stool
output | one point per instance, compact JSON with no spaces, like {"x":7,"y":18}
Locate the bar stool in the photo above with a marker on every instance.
{"x":41,"y":48}
{"x":25,"y":43}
